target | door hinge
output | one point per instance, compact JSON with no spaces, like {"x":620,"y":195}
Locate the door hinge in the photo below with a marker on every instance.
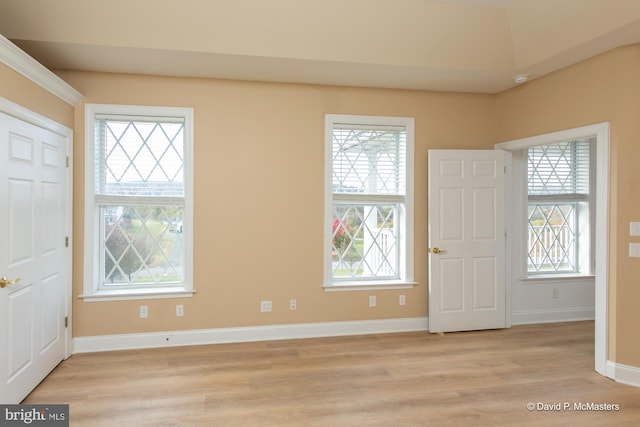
{"x":66,"y":321}
{"x":505,"y":169}
{"x":66,"y":242}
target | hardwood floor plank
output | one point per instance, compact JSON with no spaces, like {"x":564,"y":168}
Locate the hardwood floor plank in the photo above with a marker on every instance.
{"x":484,"y":378}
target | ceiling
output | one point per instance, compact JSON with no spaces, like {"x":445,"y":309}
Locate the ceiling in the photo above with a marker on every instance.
{"x":445,"y":45}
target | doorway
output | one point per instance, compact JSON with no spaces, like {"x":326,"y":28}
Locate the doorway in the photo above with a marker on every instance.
{"x":601,"y":133}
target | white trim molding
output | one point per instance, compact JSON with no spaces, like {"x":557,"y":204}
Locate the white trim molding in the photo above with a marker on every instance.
{"x":15,"y":58}
{"x":573,"y":314}
{"x":623,"y":374}
{"x":248,"y":334}
{"x":26,"y":115}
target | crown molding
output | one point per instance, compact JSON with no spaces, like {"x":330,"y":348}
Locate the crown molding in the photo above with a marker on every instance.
{"x":15,"y":58}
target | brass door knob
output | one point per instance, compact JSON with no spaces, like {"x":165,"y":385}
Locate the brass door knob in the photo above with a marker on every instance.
{"x":437,"y":251}
{"x":4,"y":282}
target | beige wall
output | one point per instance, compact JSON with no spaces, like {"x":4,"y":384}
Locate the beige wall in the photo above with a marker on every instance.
{"x":259,"y":184}
{"x":604,"y":88}
{"x":259,"y":176}
{"x":20,"y":90}
{"x":258,"y":144}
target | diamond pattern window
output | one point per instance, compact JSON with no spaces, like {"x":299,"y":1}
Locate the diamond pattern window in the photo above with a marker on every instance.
{"x":368,"y":218}
{"x":140,"y":197}
{"x":558,"y":206}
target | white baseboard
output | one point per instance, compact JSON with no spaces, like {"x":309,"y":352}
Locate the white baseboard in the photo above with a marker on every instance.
{"x":623,"y":374}
{"x":610,"y":370}
{"x":526,"y":317}
{"x":247,"y":334}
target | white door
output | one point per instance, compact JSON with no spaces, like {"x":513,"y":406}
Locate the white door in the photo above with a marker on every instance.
{"x":466,"y":240}
{"x":33,"y":203}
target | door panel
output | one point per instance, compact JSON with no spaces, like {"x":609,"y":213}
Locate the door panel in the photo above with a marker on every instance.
{"x":452,"y":285}
{"x":21,"y":339}
{"x":451,"y":214}
{"x":484,"y":214}
{"x":20,"y":208}
{"x":484,"y":289}
{"x":466,"y":240}
{"x":50,"y":312}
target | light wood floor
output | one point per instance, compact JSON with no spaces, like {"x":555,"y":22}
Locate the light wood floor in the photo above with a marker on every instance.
{"x":411,"y":379}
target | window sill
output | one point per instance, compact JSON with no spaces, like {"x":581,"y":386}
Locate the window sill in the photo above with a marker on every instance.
{"x":369,"y":286}
{"x":137,"y":294}
{"x":542,"y":278}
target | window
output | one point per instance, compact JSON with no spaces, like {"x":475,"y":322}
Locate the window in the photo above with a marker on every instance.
{"x":559,"y":203}
{"x":369,"y":201}
{"x":138,"y":207}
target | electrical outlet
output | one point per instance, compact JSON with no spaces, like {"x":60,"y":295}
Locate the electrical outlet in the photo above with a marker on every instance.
{"x":293,"y":304}
{"x":179,"y":310}
{"x":265,"y":306}
{"x":402,"y":300}
{"x":372,"y":300}
{"x":144,"y":311}
{"x":554,"y":293}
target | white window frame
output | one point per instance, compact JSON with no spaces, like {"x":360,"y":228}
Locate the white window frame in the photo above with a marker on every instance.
{"x":406,"y":215}
{"x":92,"y":256}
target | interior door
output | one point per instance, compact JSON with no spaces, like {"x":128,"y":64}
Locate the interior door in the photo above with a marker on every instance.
{"x":466,"y":240}
{"x":33,"y":192}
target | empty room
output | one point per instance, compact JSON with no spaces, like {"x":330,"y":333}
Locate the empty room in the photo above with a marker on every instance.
{"x":319,"y":213}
